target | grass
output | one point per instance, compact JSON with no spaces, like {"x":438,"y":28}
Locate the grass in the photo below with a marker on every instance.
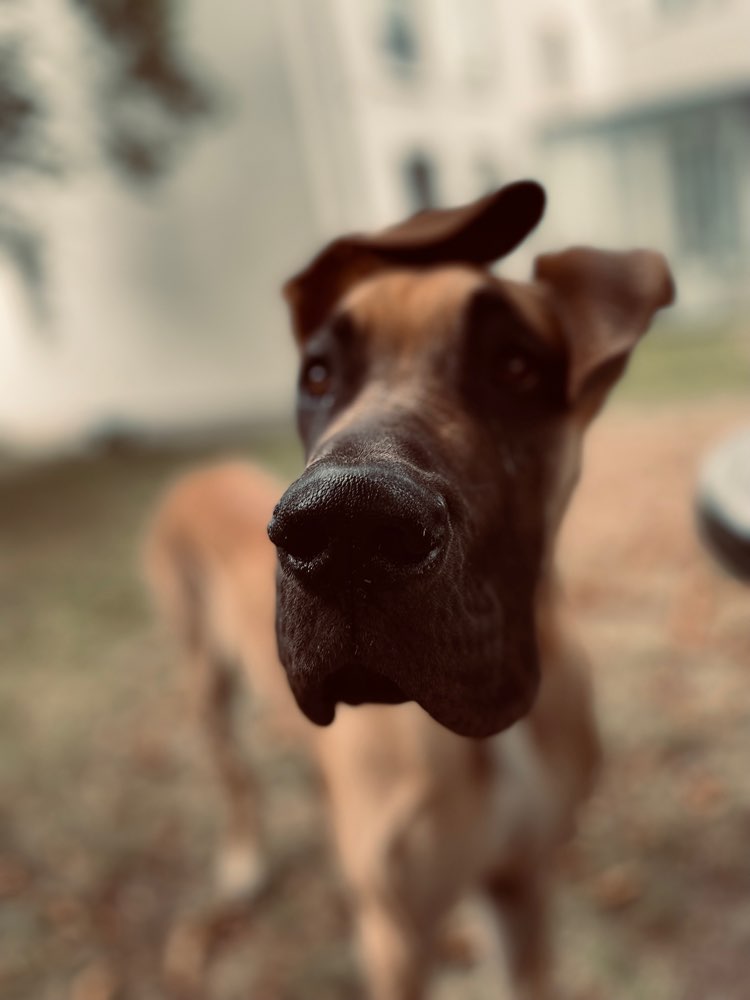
{"x":681,"y":362}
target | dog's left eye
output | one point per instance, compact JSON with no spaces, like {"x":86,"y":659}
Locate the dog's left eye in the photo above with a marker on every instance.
{"x":316,"y":378}
{"x":517,"y":371}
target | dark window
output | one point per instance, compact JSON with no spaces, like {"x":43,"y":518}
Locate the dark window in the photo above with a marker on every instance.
{"x":400,"y":33}
{"x":419,"y":177}
{"x":705,"y":191}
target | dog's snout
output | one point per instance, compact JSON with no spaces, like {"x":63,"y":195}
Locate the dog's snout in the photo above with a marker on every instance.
{"x":359,"y":523}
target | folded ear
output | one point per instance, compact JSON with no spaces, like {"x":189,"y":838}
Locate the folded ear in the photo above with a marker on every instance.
{"x":605,"y":301}
{"x":478,"y":233}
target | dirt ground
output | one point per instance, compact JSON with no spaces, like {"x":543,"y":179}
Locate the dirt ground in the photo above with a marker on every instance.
{"x":108,"y":813}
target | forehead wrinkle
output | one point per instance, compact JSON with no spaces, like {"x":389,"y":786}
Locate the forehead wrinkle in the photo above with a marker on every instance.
{"x":400,"y":310}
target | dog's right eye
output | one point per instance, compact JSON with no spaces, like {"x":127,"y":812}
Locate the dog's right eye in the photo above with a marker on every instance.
{"x":316,"y":378}
{"x":515,"y":370}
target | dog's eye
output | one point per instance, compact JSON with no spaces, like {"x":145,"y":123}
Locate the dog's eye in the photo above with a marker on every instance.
{"x":516,"y":371}
{"x":316,"y":378}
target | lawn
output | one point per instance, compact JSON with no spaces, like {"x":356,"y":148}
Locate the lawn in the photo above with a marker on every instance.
{"x":681,"y":362}
{"x":107,"y":807}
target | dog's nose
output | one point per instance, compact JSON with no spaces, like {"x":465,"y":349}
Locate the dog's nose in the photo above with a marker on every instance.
{"x":359,"y":523}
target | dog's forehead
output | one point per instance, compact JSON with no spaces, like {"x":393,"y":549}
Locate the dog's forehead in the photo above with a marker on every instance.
{"x":406,"y":308}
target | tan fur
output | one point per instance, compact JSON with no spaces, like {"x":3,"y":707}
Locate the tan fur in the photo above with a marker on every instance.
{"x":420,"y":815}
{"x":407,"y":315}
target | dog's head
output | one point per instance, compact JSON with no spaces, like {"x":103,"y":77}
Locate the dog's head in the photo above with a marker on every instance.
{"x":441,"y":409}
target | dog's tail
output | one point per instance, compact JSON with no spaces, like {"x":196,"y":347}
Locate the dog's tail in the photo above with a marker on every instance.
{"x":210,"y":567}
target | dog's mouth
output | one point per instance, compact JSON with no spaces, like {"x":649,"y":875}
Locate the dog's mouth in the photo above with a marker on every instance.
{"x":467,"y":655}
{"x":383,"y":598}
{"x":349,"y":686}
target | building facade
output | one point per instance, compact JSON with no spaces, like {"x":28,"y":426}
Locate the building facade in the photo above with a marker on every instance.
{"x":635,"y":114}
{"x":659,"y":132}
{"x":338,"y":116}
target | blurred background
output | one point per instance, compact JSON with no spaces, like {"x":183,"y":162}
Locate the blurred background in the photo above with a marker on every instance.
{"x":164,"y":166}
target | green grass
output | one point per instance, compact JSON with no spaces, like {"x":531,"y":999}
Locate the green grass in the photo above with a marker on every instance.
{"x":686,"y":363}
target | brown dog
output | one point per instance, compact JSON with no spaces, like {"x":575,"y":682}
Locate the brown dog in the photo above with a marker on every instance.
{"x":442,"y":411}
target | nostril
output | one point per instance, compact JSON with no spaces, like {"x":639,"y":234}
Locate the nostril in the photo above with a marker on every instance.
{"x":303,"y":536}
{"x":400,"y":542}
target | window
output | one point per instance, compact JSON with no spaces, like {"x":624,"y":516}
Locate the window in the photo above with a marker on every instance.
{"x":420,"y":182}
{"x":399,"y":33}
{"x":705,"y":191}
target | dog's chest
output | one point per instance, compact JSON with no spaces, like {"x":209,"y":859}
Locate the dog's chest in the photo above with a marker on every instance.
{"x":526,"y":808}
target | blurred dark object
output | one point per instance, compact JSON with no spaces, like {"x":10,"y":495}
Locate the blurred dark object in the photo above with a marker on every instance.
{"x":151,"y":95}
{"x":24,"y":146}
{"x":120,"y":95}
{"x":23,"y":243}
{"x":22,"y":112}
{"x":723,"y":504}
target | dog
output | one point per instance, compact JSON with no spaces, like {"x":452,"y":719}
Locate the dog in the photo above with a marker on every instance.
{"x":419,"y":619}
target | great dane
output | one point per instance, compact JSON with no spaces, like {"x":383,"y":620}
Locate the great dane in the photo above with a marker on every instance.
{"x":442,"y":410}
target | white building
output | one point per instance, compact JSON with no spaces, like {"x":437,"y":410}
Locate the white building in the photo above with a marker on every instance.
{"x":634,"y":113}
{"x":164,"y":306}
{"x":652,"y":144}
{"x":163,"y":303}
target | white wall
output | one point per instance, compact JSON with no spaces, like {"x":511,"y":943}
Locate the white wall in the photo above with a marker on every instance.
{"x":164,"y":302}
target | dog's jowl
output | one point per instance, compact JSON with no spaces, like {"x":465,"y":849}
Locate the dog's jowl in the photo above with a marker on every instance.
{"x":441,"y":408}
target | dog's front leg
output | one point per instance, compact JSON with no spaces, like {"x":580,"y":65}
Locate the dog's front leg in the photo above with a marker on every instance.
{"x":241,"y":865}
{"x":395,"y":951}
{"x":521,"y":906}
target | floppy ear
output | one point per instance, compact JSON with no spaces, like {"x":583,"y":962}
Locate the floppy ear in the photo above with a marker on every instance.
{"x":478,"y":233}
{"x":605,"y":301}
